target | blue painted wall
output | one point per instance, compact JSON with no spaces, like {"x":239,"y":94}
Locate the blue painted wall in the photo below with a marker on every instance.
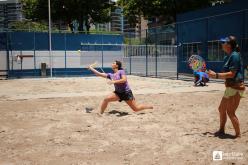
{"x":60,"y":41}
{"x":28,"y":41}
{"x":211,"y":24}
{"x":57,"y":72}
{"x":2,"y":41}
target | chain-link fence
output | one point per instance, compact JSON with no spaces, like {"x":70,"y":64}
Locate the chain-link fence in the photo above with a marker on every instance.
{"x":151,"y":60}
{"x":25,"y":52}
{"x":244,"y":53}
{"x":152,"y":52}
{"x":202,"y":35}
{"x":159,"y":52}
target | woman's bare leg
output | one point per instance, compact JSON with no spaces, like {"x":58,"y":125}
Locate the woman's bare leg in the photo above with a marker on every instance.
{"x":132,"y":104}
{"x":112,"y":97}
{"x":233,"y":104}
{"x":223,"y":116}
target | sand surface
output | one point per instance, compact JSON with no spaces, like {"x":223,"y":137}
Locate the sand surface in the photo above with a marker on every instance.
{"x":55,"y":121}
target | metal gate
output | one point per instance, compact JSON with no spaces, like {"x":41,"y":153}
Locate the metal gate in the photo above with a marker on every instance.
{"x":151,"y":60}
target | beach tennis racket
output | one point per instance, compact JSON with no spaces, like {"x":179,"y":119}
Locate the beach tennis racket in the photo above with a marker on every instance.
{"x":197,"y":63}
{"x":95,"y":65}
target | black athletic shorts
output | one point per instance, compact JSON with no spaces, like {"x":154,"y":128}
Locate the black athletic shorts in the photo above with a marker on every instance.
{"x":127,"y":95}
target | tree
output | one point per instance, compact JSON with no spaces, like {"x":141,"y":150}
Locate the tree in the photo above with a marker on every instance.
{"x":29,"y":8}
{"x":131,"y":9}
{"x":167,"y":9}
{"x":30,"y":26}
{"x":85,"y":11}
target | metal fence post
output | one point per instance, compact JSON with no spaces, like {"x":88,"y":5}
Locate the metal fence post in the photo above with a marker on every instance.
{"x":102,"y":48}
{"x":130,"y":52}
{"x":65,"y":49}
{"x":156,"y":54}
{"x":146,"y":56}
{"x":243,"y":45}
{"x":50,"y":38}
{"x":130,"y":59}
{"x":177,"y":49}
{"x":35,"y":70}
{"x":7,"y":51}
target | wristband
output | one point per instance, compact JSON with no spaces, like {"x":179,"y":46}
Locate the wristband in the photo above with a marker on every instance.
{"x":217,"y":75}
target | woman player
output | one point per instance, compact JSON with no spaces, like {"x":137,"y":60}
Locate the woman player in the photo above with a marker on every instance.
{"x":122,"y":89}
{"x":234,"y":82}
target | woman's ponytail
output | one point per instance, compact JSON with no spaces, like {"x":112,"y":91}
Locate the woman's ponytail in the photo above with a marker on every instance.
{"x":237,"y":49}
{"x":233,"y":42}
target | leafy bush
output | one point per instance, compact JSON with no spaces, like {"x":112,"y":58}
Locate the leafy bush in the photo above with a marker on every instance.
{"x":29,"y":26}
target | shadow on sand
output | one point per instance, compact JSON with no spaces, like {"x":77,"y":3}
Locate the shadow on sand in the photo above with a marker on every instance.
{"x":220,"y":135}
{"x":118,"y":113}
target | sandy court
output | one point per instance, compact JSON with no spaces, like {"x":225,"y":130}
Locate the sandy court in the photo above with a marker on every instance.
{"x":46,"y":121}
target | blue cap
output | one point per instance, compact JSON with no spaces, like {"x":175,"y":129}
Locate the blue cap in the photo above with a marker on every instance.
{"x":224,"y":40}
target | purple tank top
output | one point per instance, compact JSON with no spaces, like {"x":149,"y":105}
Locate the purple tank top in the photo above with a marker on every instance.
{"x":117,"y":76}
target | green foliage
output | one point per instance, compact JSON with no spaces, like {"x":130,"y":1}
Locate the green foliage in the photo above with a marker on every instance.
{"x":29,"y":26}
{"x":68,"y":10}
{"x":159,"y":8}
{"x":134,"y":41}
{"x":104,"y":32}
{"x":98,"y":10}
{"x":149,"y":8}
{"x":29,"y":8}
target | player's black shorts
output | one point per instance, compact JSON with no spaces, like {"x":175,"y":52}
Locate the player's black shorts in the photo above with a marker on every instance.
{"x":127,"y":95}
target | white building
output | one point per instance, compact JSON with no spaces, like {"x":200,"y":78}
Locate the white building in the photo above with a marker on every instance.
{"x":10,"y":10}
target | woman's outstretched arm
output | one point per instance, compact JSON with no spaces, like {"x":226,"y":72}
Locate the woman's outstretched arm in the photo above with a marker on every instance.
{"x":104,"y":75}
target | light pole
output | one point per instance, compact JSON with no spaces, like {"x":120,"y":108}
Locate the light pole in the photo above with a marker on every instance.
{"x":50,"y":39}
